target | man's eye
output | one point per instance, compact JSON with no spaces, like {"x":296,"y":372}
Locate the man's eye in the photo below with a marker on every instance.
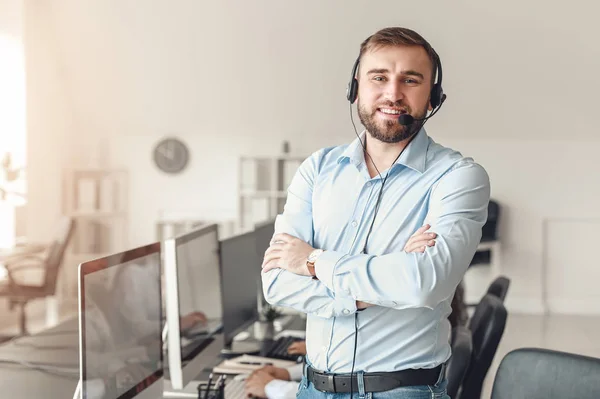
{"x":410,"y":81}
{"x":379,"y":78}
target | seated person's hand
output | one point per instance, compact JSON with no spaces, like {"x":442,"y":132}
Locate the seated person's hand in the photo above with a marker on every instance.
{"x":191,"y":319}
{"x":278,"y":373}
{"x":297,"y":348}
{"x":256,"y":383}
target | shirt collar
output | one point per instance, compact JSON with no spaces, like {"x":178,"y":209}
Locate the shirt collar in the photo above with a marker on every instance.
{"x":413,"y":156}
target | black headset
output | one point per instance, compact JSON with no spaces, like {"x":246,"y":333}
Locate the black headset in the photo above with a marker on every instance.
{"x":436,"y":97}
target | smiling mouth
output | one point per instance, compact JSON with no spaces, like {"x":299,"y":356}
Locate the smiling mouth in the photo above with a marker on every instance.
{"x":391,"y":112}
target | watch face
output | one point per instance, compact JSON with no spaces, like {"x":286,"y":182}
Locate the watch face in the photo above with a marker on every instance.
{"x":313,"y":256}
{"x":171,"y":155}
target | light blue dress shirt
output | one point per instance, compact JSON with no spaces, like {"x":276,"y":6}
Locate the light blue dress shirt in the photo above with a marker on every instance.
{"x":330,"y":205}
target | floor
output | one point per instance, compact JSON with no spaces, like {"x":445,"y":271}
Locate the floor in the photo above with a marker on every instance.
{"x":577,"y":334}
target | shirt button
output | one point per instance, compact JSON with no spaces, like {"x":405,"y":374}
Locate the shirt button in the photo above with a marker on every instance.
{"x":345,"y":311}
{"x":354,"y":224}
{"x":324,"y":349}
{"x":368,"y":184}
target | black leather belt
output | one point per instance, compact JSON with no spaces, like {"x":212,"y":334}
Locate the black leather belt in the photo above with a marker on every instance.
{"x":374,"y":382}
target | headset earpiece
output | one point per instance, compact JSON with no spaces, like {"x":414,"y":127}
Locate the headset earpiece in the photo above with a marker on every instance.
{"x":352,"y":91}
{"x":436,"y":95}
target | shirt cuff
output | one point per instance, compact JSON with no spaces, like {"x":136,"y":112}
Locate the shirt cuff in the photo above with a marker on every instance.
{"x":279,"y":389}
{"x":295,"y":371}
{"x":325,"y":266}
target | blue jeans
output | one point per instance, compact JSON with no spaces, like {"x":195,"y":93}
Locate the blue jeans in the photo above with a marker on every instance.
{"x":306,"y":390}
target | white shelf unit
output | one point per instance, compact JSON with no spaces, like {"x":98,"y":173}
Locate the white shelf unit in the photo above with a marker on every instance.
{"x":263,"y":184}
{"x":97,"y":199}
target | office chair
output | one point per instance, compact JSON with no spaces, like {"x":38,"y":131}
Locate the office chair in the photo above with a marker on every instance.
{"x":487,"y":327}
{"x":462,"y":348}
{"x":489,"y":231}
{"x":499,"y":287}
{"x":534,"y":373}
{"x":20,"y":294}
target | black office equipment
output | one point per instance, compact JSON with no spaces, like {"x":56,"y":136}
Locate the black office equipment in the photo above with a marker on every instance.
{"x":487,"y":327}
{"x":240,"y":275}
{"x":458,"y":364}
{"x":535,"y":373}
{"x":277,"y":349}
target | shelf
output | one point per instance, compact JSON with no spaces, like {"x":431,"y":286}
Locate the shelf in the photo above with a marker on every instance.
{"x":263,"y":194}
{"x":97,"y":214}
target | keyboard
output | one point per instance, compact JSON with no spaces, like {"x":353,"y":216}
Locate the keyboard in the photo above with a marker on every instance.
{"x":278,"y":350}
{"x":234,"y":389}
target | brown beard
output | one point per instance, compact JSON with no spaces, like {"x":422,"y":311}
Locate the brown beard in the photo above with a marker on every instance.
{"x":393,"y":132}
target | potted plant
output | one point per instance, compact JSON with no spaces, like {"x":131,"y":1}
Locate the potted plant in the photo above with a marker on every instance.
{"x":264,"y":328}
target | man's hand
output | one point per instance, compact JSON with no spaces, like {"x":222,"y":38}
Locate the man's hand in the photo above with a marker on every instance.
{"x":360,"y":305}
{"x":191,"y":319}
{"x":416,"y":243}
{"x":289,"y":253}
{"x":420,"y":239}
{"x":297,"y":348}
{"x":256,"y":383}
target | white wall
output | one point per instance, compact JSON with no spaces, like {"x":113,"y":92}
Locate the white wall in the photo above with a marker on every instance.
{"x":12,"y":111}
{"x":50,"y":130}
{"x":233,"y":77}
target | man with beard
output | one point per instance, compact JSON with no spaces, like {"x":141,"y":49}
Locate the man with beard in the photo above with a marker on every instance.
{"x":376,"y":235}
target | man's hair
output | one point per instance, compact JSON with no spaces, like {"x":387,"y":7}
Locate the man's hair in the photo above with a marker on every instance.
{"x":397,"y":36}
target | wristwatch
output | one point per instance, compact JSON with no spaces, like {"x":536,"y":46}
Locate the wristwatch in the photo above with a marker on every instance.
{"x":310,"y":261}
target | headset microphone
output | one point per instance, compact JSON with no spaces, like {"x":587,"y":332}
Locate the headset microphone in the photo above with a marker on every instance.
{"x":408,"y":119}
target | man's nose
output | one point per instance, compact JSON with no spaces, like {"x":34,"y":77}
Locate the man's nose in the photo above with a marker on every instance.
{"x":393,"y":92}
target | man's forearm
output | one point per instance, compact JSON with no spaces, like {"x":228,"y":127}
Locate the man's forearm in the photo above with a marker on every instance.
{"x":305,"y":294}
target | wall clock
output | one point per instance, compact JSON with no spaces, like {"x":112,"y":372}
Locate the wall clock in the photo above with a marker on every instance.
{"x":171,"y":155}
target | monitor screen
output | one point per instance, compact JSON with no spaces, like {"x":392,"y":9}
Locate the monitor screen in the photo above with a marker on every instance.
{"x":193,"y":297}
{"x":120,"y":308}
{"x":240,"y":275}
{"x":199,"y":283}
{"x":264,"y":233}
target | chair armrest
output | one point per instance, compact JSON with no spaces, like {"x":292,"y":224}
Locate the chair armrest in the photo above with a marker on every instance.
{"x":25,"y":261}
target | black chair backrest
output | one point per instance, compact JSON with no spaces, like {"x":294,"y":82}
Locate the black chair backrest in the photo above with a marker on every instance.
{"x":56,"y":252}
{"x":532,"y":373}
{"x":487,"y":327}
{"x":458,"y":363}
{"x":489,"y":231}
{"x":499,"y":287}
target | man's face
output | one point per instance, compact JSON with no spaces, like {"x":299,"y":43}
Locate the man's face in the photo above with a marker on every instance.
{"x":393,"y":80}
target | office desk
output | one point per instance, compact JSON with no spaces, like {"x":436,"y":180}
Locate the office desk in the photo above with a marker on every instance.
{"x":59,"y":346}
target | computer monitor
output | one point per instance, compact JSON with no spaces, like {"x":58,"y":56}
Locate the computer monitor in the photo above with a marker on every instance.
{"x":263,"y":232}
{"x":193,"y":301}
{"x":120,"y":325}
{"x":240,"y":276}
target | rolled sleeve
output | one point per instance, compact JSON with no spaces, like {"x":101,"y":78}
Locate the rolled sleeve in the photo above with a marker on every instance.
{"x":295,"y":372}
{"x":279,"y":389}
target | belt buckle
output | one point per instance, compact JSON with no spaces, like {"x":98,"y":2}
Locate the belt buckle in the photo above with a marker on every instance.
{"x":331,"y":383}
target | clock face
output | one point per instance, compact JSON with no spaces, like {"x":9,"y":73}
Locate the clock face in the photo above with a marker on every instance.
{"x":171,"y":155}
